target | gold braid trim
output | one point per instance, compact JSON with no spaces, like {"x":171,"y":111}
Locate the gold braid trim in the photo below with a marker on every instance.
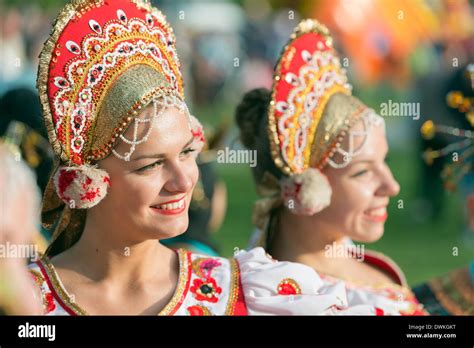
{"x":234,"y":287}
{"x":63,"y":18}
{"x":181,"y":289}
{"x":59,"y":287}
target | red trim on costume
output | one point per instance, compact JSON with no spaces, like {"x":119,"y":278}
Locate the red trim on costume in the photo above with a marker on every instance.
{"x":53,"y":291}
{"x":386,"y":266}
{"x":188,"y":281}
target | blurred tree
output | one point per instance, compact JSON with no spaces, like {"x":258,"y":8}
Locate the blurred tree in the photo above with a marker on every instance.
{"x":41,"y":3}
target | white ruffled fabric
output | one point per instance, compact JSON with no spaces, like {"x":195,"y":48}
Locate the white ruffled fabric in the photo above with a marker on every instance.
{"x":394,"y":307}
{"x":260,"y":276}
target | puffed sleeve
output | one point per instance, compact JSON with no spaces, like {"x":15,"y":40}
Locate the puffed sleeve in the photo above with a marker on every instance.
{"x":286,"y":288}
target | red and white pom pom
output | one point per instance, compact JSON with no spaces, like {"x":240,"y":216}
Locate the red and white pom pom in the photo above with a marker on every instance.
{"x":198,"y":133}
{"x":81,"y":187}
{"x":307,"y":193}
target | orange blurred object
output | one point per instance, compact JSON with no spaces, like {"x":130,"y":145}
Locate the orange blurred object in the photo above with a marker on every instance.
{"x":379,"y":35}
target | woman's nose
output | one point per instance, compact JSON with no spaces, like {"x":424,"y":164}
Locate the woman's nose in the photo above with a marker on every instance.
{"x":180,"y":179}
{"x":389,"y":186}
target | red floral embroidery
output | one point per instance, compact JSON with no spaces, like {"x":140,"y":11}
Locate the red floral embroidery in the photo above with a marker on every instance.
{"x":91,"y":195}
{"x":66,"y":177}
{"x":292,"y":191}
{"x":107,"y":180}
{"x":208,"y":265}
{"x":288,"y":287}
{"x":198,"y":310}
{"x":199,"y":134}
{"x":206,"y":290}
{"x":203,"y":267}
{"x":76,"y":158}
{"x":87,"y":183}
{"x":49,"y":302}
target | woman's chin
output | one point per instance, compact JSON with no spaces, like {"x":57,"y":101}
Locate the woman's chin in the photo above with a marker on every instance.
{"x":371,"y":235}
{"x":169,"y":234}
{"x":166,"y":231}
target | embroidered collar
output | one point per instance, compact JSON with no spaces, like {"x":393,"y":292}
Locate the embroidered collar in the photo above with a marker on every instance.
{"x":66,"y":301}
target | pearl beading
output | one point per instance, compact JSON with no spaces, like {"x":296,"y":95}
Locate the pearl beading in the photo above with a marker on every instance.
{"x":369,"y":120}
{"x":165,"y":102}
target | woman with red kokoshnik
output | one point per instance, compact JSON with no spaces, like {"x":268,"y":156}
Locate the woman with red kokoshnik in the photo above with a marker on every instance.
{"x":321,"y":172}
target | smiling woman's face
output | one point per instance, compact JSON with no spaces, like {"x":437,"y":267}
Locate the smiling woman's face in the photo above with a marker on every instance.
{"x":361,"y":190}
{"x":150,"y":194}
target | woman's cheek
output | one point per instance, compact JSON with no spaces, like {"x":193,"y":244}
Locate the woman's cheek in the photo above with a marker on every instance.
{"x":193,"y":170}
{"x":352,"y":196}
{"x":362,"y":194}
{"x":138,"y":190}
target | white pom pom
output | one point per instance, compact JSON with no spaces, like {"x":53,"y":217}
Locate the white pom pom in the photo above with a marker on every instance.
{"x":307,"y":193}
{"x":81,"y":187}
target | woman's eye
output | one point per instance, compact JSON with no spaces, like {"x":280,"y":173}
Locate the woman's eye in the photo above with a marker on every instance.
{"x":153,"y":165}
{"x":360,"y":173}
{"x":160,"y":162}
{"x":188,"y":150}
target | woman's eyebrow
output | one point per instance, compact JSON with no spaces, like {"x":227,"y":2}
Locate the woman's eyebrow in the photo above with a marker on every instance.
{"x":362,"y":161}
{"x":160,"y":155}
{"x":189,"y":141}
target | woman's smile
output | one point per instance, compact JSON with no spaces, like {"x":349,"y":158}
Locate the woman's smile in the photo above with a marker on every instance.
{"x":173,"y":207}
{"x":376,"y":214}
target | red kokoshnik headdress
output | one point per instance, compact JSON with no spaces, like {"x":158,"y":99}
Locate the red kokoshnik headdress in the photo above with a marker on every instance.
{"x":311,"y":112}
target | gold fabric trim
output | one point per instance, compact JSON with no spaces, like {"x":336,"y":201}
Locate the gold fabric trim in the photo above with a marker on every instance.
{"x":39,"y":281}
{"x":234,"y":287}
{"x":129,"y":89}
{"x":340,"y":113}
{"x":38,"y":277}
{"x":181,"y":287}
{"x":58,"y":287}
